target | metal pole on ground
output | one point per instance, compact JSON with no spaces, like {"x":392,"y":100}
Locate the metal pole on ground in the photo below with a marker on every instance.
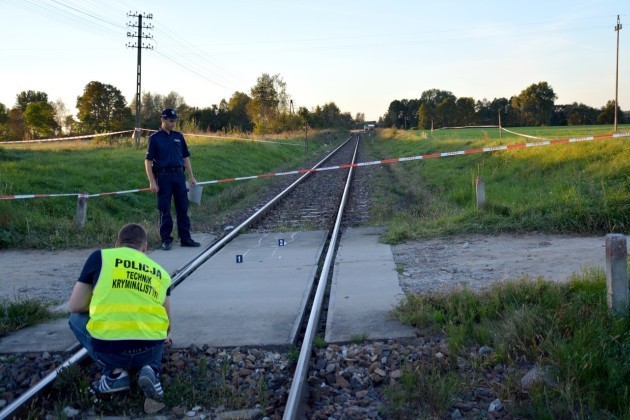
{"x":81,"y":215}
{"x":480,"y":189}
{"x":617,"y":273}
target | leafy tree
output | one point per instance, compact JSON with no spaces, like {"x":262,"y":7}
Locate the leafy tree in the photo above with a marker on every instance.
{"x":503,"y":107}
{"x":607,"y":115}
{"x":394,"y":110}
{"x":150,"y":111}
{"x":446,"y":112}
{"x":28,"y":97}
{"x":269,"y":103}
{"x":223,"y":115}
{"x":4,"y":119}
{"x":237,"y":107}
{"x":434,"y":97}
{"x":4,"y":114}
{"x":153,"y":104}
{"x":465,"y":111}
{"x":316,"y":117}
{"x":15,"y":124}
{"x":71,"y":125}
{"x":331,"y":115}
{"x":402,"y":113}
{"x":424,"y":117}
{"x":102,"y":107}
{"x":40,"y":119}
{"x":431,"y":99}
{"x":61,"y":114}
{"x":536,"y":104}
{"x":575,"y":114}
{"x":175,"y":101}
{"x":205,"y":118}
{"x":306,"y":116}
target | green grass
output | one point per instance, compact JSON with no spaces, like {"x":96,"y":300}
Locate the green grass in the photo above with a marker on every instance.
{"x":19,"y":314}
{"x":566,"y":326}
{"x":581,"y":188}
{"x":116,"y":165}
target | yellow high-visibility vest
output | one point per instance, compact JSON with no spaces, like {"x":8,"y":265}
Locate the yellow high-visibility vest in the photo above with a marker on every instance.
{"x":128,"y":299}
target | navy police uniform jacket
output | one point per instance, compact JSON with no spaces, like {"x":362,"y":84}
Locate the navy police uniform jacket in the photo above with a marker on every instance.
{"x":167,"y":150}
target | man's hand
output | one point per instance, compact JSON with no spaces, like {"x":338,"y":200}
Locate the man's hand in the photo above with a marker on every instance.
{"x":154,"y":186}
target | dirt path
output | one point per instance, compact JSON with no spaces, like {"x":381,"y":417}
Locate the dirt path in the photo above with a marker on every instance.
{"x":479,"y":260}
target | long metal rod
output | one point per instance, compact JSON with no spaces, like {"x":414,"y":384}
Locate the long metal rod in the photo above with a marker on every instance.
{"x":177,"y":278}
{"x":10,"y":409}
{"x":301,"y":369}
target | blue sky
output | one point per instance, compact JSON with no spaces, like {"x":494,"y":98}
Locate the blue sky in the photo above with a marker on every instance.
{"x":359,"y":54}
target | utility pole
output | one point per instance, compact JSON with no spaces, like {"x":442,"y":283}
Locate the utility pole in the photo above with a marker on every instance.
{"x":139,"y":45}
{"x":305,"y":137}
{"x":617,"y":29}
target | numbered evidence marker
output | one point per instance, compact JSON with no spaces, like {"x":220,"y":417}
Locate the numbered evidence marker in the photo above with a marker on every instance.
{"x":239,"y":259}
{"x":280,"y":242}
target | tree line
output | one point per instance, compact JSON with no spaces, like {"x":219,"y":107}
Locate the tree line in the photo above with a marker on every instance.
{"x":534,"y":106}
{"x":267,"y":108}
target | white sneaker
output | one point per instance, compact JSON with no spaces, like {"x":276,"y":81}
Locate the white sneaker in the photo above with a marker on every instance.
{"x":150,"y":384}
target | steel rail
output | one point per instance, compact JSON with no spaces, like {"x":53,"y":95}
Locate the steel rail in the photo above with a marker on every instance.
{"x":177,"y":277}
{"x":296,"y":392}
{"x":214,"y":248}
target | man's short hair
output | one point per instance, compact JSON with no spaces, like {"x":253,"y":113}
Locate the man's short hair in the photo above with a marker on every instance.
{"x":132,"y":235}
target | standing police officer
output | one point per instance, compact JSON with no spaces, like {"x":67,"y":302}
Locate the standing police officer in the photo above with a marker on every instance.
{"x":166,"y":160}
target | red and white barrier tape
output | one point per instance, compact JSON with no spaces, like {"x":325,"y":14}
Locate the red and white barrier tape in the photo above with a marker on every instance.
{"x":231,"y":138}
{"x":88,"y":136}
{"x":349,"y":165}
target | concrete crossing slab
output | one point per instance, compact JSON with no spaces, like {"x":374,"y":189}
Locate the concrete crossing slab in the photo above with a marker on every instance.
{"x":56,"y":335}
{"x":364,"y":290}
{"x":252,"y":292}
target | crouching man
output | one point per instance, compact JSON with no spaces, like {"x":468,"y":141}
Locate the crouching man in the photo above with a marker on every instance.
{"x":120,"y":308}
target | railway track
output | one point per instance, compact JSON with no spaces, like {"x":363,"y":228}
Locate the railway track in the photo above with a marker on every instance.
{"x":315,"y":201}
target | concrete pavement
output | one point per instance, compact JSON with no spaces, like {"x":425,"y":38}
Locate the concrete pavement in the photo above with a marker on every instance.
{"x":254,"y":291}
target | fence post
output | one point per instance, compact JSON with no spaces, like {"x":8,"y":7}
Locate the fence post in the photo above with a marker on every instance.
{"x":81,"y":215}
{"x":481,"y":192}
{"x":617,"y":273}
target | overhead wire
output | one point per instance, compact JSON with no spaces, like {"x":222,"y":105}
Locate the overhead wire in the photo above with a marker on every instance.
{"x":196,"y":56}
{"x":196,"y":61}
{"x":58,"y":13}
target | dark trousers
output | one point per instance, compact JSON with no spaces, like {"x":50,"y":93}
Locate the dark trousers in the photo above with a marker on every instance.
{"x":173,"y":184}
{"x":151,"y":356}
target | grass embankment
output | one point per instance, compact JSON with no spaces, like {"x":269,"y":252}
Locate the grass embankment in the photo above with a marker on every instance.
{"x":108,"y":166}
{"x":581,"y":188}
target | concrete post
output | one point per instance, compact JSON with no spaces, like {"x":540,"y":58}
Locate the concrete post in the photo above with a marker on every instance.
{"x":81,"y":216}
{"x":481,"y":192}
{"x":617,"y":273}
